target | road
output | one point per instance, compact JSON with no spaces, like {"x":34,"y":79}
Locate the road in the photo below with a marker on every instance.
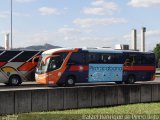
{"x":34,"y":85}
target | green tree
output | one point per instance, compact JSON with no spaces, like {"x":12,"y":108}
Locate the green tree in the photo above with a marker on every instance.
{"x":157,"y":53}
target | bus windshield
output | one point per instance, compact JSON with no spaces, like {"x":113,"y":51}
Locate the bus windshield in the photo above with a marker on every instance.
{"x":51,"y":63}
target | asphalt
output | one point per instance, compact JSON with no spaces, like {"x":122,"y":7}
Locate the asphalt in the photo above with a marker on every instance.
{"x":35,"y":86}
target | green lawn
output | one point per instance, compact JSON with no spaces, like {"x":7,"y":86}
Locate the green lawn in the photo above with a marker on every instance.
{"x":134,"y":109}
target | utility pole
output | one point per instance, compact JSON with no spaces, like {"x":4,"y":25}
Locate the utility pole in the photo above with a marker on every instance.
{"x":11,"y":24}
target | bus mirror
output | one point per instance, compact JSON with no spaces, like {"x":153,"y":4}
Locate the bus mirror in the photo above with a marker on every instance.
{"x":33,"y":60}
{"x":52,"y":56}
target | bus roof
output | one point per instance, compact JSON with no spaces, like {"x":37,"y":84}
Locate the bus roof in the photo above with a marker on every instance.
{"x":56,"y":50}
{"x":20,"y":50}
{"x":98,"y":50}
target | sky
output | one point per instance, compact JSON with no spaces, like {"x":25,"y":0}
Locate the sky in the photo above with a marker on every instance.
{"x":80,"y":23}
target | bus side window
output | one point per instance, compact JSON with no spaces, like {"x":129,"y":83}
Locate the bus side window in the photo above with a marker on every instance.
{"x":94,"y":58}
{"x":130,"y":60}
{"x":52,"y":65}
{"x":77,"y":58}
{"x":147,"y":59}
{"x":118,"y":58}
{"x":107,"y":58}
{"x":133,"y":60}
{"x":138,"y":60}
{"x":63,"y":55}
{"x":55,"y":63}
{"x":127,"y":62}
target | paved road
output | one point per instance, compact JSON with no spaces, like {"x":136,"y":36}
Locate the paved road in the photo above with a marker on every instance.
{"x":34,"y":85}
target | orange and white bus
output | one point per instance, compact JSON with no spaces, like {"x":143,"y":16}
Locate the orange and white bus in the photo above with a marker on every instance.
{"x":82,"y":65}
{"x":16,"y":66}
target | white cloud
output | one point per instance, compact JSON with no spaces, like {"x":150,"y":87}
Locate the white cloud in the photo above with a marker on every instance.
{"x":144,"y":3}
{"x":24,"y":1}
{"x":98,"y":2}
{"x":4,"y":32}
{"x":101,"y":7}
{"x":21,"y":14}
{"x":65,"y":37}
{"x":67,"y":30}
{"x":94,"y":11}
{"x":48,"y":11}
{"x":69,"y":34}
{"x":89,"y":22}
{"x":6,"y":14}
{"x":127,"y":37}
{"x":73,"y":37}
{"x":152,"y":38}
{"x":153,"y":33}
{"x":149,"y":34}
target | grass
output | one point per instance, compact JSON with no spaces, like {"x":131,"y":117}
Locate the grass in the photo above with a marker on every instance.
{"x":134,"y":109}
{"x":158,"y":69}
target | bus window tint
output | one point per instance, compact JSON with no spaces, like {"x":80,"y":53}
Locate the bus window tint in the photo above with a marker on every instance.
{"x":77,"y":58}
{"x":118,"y":59}
{"x":139,"y":59}
{"x":107,"y":58}
{"x":94,"y":58}
{"x":130,"y":60}
{"x":63,"y":55}
{"x":111,"y":59}
{"x":147,"y":59}
{"x":42,"y":68}
{"x":55,"y":63}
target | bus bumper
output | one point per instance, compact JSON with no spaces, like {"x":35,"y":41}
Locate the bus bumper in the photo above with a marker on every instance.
{"x":41,"y":79}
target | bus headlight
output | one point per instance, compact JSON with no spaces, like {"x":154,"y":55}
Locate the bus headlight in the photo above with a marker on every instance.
{"x":36,"y":76}
{"x":59,"y":74}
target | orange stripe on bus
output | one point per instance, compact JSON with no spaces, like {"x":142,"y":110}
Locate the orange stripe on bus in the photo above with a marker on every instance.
{"x":27,"y":66}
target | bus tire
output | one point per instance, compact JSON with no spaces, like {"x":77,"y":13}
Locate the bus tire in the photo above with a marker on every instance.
{"x":131,"y":79}
{"x":15,"y":80}
{"x":70,"y":81}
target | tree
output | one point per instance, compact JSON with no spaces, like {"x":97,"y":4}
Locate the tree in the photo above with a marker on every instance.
{"x":157,"y":53}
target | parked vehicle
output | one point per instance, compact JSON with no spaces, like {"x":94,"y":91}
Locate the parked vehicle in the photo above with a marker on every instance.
{"x":82,"y":65}
{"x":16,"y":66}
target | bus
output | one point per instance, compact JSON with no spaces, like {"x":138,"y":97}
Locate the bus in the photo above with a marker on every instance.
{"x":16,"y":66}
{"x":92,"y":65}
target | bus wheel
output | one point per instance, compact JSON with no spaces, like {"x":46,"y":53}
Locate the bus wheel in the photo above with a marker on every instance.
{"x":70,"y":81}
{"x":15,"y":80}
{"x":131,"y":79}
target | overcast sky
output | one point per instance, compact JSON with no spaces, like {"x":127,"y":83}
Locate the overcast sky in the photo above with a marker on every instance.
{"x":78,"y":23}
